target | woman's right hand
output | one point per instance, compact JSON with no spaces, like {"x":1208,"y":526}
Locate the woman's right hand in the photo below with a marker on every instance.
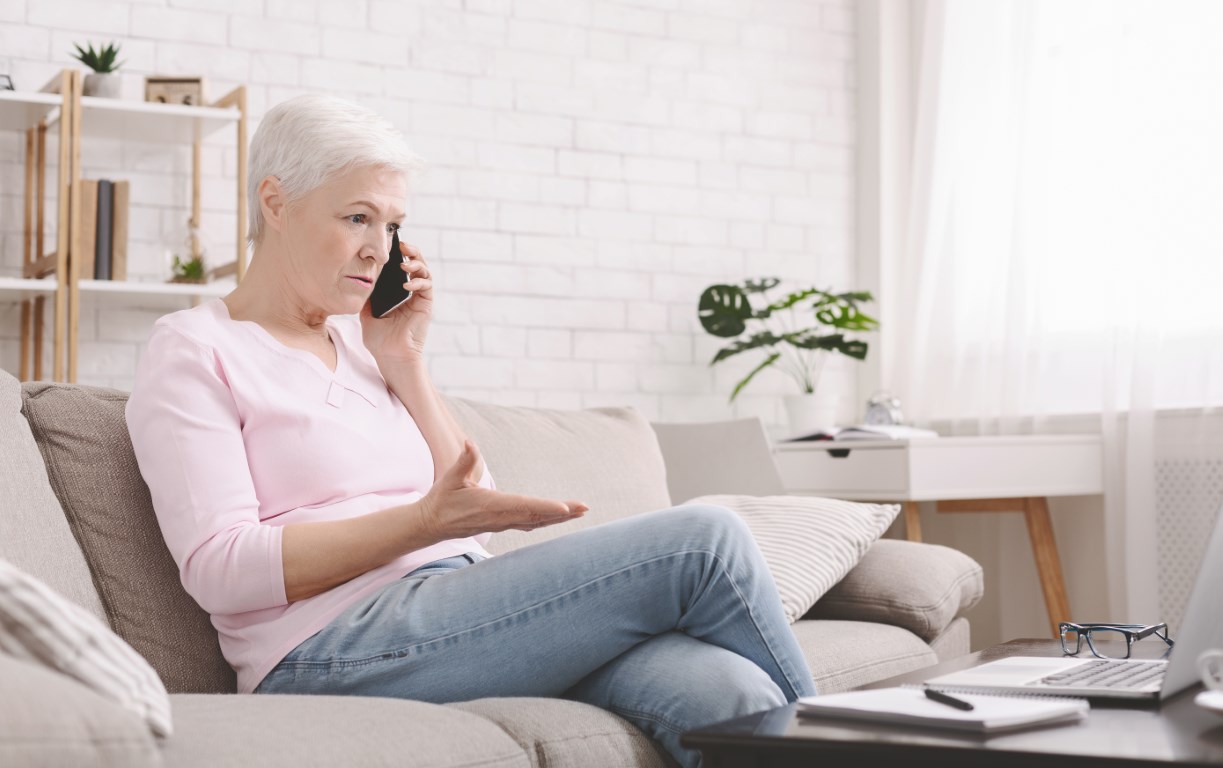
{"x":457,"y":506}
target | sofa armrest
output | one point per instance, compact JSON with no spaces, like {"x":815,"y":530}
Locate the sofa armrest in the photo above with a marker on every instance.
{"x":920,"y":587}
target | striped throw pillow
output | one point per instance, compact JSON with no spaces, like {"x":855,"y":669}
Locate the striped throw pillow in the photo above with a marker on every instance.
{"x":40,"y":625}
{"x":809,"y":543}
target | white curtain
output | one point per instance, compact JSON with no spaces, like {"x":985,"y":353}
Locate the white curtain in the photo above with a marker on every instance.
{"x":1063,"y":252}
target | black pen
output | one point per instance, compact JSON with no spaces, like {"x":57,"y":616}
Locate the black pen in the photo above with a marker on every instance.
{"x":950,"y":701}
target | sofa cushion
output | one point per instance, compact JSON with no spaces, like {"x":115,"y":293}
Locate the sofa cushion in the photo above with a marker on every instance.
{"x":82,"y":434}
{"x":34,"y":535}
{"x":809,"y":542}
{"x":605,"y":457}
{"x":557,"y":733}
{"x":47,"y":718}
{"x":252,"y":730}
{"x":883,"y":588}
{"x":38,"y":624}
{"x":846,"y":654}
{"x":954,"y":641}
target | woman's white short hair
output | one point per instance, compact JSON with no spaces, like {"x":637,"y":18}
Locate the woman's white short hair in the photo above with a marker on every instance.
{"x":304,"y":140}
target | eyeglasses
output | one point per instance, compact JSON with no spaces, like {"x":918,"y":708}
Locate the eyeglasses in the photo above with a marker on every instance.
{"x":1109,"y":636}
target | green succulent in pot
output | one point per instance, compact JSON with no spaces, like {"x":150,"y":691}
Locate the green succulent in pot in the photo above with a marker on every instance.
{"x":101,"y":61}
{"x":796,"y":332}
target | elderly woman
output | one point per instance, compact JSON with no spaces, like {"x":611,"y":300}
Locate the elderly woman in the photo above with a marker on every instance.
{"x":330,"y":514}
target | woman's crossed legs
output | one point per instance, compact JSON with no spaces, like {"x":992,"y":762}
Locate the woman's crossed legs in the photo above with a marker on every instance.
{"x":670,"y":619}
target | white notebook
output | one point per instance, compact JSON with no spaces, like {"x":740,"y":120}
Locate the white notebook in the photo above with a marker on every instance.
{"x":909,"y":706}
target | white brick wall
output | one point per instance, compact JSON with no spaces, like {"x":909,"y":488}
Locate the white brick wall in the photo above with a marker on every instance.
{"x":592,"y":165}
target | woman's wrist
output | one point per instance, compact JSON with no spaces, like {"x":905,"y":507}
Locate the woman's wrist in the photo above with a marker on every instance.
{"x":400,"y":365}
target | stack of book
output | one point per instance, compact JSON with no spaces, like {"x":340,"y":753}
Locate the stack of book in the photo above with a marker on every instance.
{"x":104,"y":205}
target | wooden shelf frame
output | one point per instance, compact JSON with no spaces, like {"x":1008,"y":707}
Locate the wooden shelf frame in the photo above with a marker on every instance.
{"x":60,"y":103}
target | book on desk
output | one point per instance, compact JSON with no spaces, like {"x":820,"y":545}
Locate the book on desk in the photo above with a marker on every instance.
{"x":910,"y":706}
{"x":864,"y":432}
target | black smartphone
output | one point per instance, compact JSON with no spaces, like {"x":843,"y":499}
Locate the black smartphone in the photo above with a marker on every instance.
{"x":388,"y":288}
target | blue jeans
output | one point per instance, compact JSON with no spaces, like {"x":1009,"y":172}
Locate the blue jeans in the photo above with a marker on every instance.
{"x":670,"y":619}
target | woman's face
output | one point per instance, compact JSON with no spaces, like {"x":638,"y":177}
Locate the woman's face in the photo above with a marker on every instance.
{"x":339,"y":235}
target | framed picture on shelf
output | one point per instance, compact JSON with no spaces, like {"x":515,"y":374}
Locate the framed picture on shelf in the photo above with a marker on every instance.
{"x":6,"y":83}
{"x":174,"y":90}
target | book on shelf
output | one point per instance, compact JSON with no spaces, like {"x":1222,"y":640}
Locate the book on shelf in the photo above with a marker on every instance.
{"x":908,"y":705}
{"x":104,"y":228}
{"x":118,"y":229}
{"x":89,"y":227}
{"x":864,"y":432}
{"x":106,"y":201}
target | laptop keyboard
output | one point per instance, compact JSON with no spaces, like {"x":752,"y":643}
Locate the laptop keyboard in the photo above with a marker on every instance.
{"x":1110,"y":673}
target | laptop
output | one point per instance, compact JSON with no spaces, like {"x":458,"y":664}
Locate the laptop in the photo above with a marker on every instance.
{"x":1086,"y":675}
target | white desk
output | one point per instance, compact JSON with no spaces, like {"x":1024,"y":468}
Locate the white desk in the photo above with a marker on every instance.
{"x":961,"y":474}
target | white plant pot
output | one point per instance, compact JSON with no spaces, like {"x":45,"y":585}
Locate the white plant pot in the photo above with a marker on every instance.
{"x":812,"y":412}
{"x":107,"y":85}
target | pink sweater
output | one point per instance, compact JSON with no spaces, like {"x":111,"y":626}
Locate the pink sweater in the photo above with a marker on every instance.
{"x":237,"y":435}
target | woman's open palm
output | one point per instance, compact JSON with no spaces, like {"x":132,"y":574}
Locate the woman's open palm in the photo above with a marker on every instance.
{"x":457,"y":506}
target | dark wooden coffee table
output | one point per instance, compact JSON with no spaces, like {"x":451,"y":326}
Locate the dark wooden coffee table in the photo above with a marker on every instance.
{"x":1176,"y":732}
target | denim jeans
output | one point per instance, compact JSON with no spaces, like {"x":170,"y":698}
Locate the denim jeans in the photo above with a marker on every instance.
{"x":669,"y":619}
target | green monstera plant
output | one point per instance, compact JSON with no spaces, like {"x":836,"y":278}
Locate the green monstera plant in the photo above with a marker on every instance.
{"x":726,"y":310}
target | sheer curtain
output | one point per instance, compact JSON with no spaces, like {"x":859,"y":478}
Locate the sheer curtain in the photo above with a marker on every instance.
{"x":1063,"y":254}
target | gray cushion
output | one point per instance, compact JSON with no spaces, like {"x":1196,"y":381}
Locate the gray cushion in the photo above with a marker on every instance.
{"x":845,"y":654}
{"x":920,"y":587}
{"x":34,"y":535}
{"x":50,"y":719}
{"x":557,"y":733}
{"x":253,"y":730}
{"x":605,"y":457}
{"x":82,"y":434}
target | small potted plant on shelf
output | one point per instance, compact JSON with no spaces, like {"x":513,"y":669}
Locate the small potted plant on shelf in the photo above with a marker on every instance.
{"x":103,"y":81}
{"x":189,"y":271}
{"x":800,"y":352}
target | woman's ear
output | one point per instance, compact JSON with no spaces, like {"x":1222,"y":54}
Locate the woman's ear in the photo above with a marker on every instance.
{"x":272,"y":203}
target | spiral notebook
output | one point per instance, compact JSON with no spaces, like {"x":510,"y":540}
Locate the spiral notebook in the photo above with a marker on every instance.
{"x":908,"y":705}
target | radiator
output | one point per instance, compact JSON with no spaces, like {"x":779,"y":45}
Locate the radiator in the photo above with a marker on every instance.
{"x":1189,"y":493}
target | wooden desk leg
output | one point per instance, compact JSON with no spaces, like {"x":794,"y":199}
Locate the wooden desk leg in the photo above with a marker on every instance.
{"x":1044,"y":547}
{"x":1048,"y":565}
{"x":912,"y":514}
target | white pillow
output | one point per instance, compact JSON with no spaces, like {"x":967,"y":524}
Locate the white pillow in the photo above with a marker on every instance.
{"x":809,"y":543}
{"x":39,"y":624}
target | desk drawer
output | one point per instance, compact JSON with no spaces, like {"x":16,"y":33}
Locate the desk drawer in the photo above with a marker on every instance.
{"x":859,"y":475}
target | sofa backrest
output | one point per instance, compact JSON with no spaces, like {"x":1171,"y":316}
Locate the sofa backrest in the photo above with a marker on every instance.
{"x":34,"y":534}
{"x":605,"y":457}
{"x":82,"y":434}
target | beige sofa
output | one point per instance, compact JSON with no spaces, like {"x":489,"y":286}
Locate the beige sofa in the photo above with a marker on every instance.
{"x":76,"y":514}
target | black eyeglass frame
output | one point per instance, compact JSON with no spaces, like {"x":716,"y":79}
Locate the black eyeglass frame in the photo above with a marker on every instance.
{"x":1131,"y":632}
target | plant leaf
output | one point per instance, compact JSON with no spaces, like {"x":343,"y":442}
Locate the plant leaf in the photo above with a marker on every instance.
{"x":755,"y":341}
{"x":723,"y":309}
{"x":854,"y":349}
{"x":761,"y":285}
{"x":768,"y":361}
{"x":788,"y":302}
